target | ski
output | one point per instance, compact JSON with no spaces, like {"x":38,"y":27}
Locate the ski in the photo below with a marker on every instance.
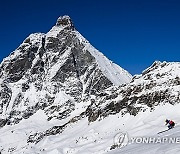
{"x":164,"y":131}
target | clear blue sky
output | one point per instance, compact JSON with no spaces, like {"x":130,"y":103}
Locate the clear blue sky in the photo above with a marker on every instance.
{"x":132,"y":33}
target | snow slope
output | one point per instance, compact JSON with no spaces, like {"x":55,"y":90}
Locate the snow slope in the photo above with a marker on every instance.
{"x":118,"y":76}
{"x":84,"y":137}
{"x":150,"y":126}
{"x":97,"y":137}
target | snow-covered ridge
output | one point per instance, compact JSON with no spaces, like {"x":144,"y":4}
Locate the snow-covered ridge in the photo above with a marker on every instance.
{"x":160,"y":72}
{"x":114,"y":73}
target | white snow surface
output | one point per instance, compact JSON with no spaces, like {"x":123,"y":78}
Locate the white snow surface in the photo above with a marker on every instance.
{"x":94,"y":138}
{"x":54,"y":31}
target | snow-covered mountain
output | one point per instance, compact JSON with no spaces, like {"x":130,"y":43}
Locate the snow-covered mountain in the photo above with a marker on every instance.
{"x":53,"y":72}
{"x":58,"y":94}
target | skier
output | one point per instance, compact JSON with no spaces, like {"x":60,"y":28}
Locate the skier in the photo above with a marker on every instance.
{"x":170,"y":123}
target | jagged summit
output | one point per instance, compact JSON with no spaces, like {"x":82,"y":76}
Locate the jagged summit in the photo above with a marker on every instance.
{"x":65,"y":21}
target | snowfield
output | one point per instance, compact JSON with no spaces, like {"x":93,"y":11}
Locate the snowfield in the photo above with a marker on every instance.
{"x":94,"y":138}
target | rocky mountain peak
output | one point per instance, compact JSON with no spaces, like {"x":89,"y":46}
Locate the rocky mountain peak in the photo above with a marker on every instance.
{"x":60,"y":69}
{"x":65,"y":21}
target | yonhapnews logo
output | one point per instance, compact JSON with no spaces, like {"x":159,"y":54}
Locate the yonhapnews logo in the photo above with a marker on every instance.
{"x":122,"y":139}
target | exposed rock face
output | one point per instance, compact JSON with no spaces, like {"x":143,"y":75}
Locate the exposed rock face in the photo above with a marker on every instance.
{"x":65,"y":21}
